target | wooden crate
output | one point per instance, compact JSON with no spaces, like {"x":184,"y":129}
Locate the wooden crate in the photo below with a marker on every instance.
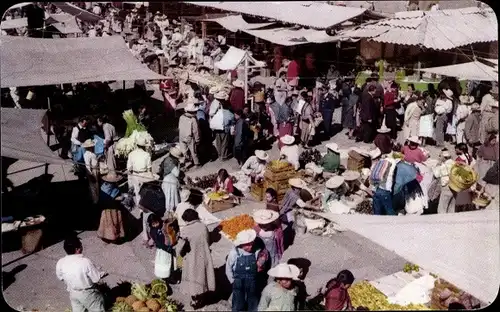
{"x":220,"y":205}
{"x":258,"y":190}
{"x":283,"y":174}
{"x":356,"y":161}
{"x":278,"y":186}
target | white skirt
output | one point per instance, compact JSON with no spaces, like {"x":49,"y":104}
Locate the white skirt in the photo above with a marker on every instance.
{"x":452,"y":127}
{"x":426,"y":126}
{"x":165,"y":263}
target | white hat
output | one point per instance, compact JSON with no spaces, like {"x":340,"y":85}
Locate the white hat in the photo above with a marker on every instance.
{"x":351,"y":175}
{"x":383,"y":128}
{"x":172,"y":63}
{"x":261,"y":155}
{"x":375,"y":153}
{"x":175,"y":152}
{"x":159,"y":52}
{"x":245,"y":237}
{"x":475,"y":106}
{"x":265,"y":216}
{"x":333,"y":147}
{"x":334,"y":182}
{"x":448,"y":93}
{"x":414,"y":139}
{"x":287,"y":139}
{"x":134,"y":10}
{"x":238,"y":83}
{"x":157,"y":13}
{"x":465,"y":99}
{"x":221,"y":95}
{"x":185,"y":193}
{"x":140,"y":141}
{"x":89,"y":143}
{"x":297,"y":182}
{"x":190,"y":106}
{"x":284,"y":270}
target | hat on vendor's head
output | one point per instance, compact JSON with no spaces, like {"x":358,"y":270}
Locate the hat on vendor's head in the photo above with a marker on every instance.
{"x":159,"y":52}
{"x":176,"y":29}
{"x":238,"y":83}
{"x":213,"y":90}
{"x":175,"y":152}
{"x":221,"y":95}
{"x":465,"y":99}
{"x":192,"y":62}
{"x":287,"y":139}
{"x":190,"y":107}
{"x":284,"y":270}
{"x":88,"y":144}
{"x":448,"y":93}
{"x":334,"y":182}
{"x":351,"y":175}
{"x":185,"y":193}
{"x":265,"y":216}
{"x":445,"y":154}
{"x":332,"y":147}
{"x":375,"y":153}
{"x":297,"y":183}
{"x":157,"y":13}
{"x":245,"y":237}
{"x":475,"y":106}
{"x":414,"y":139}
{"x":112,"y":177}
{"x":261,"y":155}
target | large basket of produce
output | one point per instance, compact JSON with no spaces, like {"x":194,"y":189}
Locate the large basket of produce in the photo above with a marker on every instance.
{"x":364,"y":294}
{"x":257,"y":190}
{"x":278,"y":170}
{"x":445,"y":293}
{"x":231,"y":227}
{"x":147,"y":298}
{"x":482,"y":200}
{"x":219,"y":201}
{"x":132,"y":123}
{"x":126,"y":145}
{"x":462,"y":177}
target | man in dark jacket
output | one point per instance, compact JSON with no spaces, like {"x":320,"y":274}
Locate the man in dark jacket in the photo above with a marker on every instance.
{"x":241,"y":138}
{"x":366,"y":114}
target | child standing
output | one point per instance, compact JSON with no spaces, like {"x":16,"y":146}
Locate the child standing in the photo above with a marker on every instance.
{"x":280,"y":294}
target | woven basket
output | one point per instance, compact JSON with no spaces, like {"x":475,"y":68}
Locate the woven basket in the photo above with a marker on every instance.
{"x":457,"y":183}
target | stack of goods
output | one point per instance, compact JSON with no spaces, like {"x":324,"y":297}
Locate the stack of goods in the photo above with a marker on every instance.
{"x":231,"y":227}
{"x":357,"y":161}
{"x":219,"y":201}
{"x":204,"y":182}
{"x":206,"y":80}
{"x":462,"y":177}
{"x":257,"y":190}
{"x":132,"y":123}
{"x":126,"y":145}
{"x":276,"y":176}
{"x":365,"y":207}
{"x":309,"y":156}
{"x":364,"y":294}
{"x":147,"y":298}
{"x":445,"y":293}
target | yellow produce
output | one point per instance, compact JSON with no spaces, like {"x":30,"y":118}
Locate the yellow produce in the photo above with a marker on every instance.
{"x":138,"y":304}
{"x":216,"y":195}
{"x":364,"y":294}
{"x":131,"y":299}
{"x":278,"y":165}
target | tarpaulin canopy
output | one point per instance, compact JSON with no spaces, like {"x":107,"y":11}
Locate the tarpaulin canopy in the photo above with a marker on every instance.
{"x":36,"y":62}
{"x":78,"y":12}
{"x":22,"y":136}
{"x":462,"y":248}
{"x":291,"y":36}
{"x":65,"y":23}
{"x":469,"y":71}
{"x":234,"y":57}
{"x":236,"y":22}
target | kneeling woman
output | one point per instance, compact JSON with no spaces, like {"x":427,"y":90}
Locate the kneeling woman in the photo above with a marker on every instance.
{"x":111,"y":227}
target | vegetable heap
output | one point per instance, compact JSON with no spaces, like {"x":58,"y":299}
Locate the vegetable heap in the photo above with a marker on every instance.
{"x":364,"y":207}
{"x":409,"y":268}
{"x":205,"y":181}
{"x":309,"y":156}
{"x":217,"y":195}
{"x":363,"y":294}
{"x":233,"y":226}
{"x":147,"y":298}
{"x":277,"y":165}
{"x":126,"y":145}
{"x":132,"y":123}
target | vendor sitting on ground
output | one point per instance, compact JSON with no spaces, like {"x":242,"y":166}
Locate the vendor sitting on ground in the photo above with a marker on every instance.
{"x":352,"y":182}
{"x":290,"y":152}
{"x":292,"y":198}
{"x":224,"y":182}
{"x":331,"y":161}
{"x":335,"y":189}
{"x":252,"y":171}
{"x":412,"y":152}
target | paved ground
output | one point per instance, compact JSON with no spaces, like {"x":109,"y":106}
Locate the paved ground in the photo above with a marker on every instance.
{"x":36,"y":286}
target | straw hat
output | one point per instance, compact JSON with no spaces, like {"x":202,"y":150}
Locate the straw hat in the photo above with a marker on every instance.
{"x":134,"y":10}
{"x":141,"y":142}
{"x":238,"y":83}
{"x":175,"y":152}
{"x":383,"y":128}
{"x":333,"y":147}
{"x":375,"y":153}
{"x":88,"y":144}
{"x":284,"y":270}
{"x":245,"y":237}
{"x":448,"y":93}
{"x":192,"y":62}
{"x":465,"y":99}
{"x":334,"y":182}
{"x":351,"y":175}
{"x":265,"y":216}
{"x":296,"y":182}
{"x":221,"y":95}
{"x":414,"y":139}
{"x":261,"y":155}
{"x":475,"y":107}
{"x":185,"y":193}
{"x":176,"y":29}
{"x":112,"y":177}
{"x":287,"y":139}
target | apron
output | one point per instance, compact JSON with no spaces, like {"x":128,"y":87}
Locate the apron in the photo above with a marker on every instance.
{"x":165,"y":263}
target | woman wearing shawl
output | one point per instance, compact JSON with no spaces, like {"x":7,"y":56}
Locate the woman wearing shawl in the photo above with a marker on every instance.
{"x":170,"y":172}
{"x":407,"y":191}
{"x":111,"y":224}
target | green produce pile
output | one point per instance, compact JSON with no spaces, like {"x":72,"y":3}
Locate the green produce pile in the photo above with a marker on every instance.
{"x":408,"y":268}
{"x":132,"y":123}
{"x":147,"y":298}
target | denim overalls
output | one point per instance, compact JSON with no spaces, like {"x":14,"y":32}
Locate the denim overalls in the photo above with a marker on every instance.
{"x":244,"y":285}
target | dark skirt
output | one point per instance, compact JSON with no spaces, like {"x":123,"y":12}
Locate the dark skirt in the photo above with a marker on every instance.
{"x":348,"y":118}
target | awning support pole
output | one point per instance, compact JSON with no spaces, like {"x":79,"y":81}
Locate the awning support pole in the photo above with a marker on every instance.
{"x":246,"y":79}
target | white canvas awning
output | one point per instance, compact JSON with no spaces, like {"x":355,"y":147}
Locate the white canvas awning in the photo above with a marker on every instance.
{"x":235,"y":23}
{"x":37,"y":62}
{"x":234,"y":57}
{"x":17,"y":22}
{"x":469,"y":71}
{"x":288,"y":36}
{"x":438,"y":30}
{"x":463,"y":248}
{"x":82,"y":14}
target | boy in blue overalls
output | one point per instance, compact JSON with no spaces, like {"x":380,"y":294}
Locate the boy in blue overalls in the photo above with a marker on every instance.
{"x":244,"y":263}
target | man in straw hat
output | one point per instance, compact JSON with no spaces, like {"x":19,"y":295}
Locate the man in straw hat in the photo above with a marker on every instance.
{"x":331,"y":161}
{"x":220,"y":123}
{"x":280,"y":294}
{"x":92,"y":165}
{"x":383,"y":139}
{"x":291,"y":199}
{"x":335,"y":189}
{"x":290,"y":151}
{"x":461,"y":114}
{"x":243,"y":264}
{"x":471,"y":129}
{"x":139,"y":166}
{"x":237,"y":95}
{"x":252,"y":170}
{"x":189,"y":133}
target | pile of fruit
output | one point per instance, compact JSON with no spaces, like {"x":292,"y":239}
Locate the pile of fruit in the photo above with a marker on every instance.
{"x":217,"y":195}
{"x":231,"y":227}
{"x":409,"y":268}
{"x":147,"y":298}
{"x":308,"y":156}
{"x":277,"y":165}
{"x":364,"y":294}
{"x":364,"y":207}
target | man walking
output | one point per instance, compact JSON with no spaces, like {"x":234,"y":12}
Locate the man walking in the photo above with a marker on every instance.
{"x":241,"y":138}
{"x":189,"y":134}
{"x":367,"y":113}
{"x":81,"y":277}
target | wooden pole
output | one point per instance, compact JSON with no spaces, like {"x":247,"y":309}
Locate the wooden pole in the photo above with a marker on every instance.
{"x":47,"y":129}
{"x":203,"y":29}
{"x":246,"y":80}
